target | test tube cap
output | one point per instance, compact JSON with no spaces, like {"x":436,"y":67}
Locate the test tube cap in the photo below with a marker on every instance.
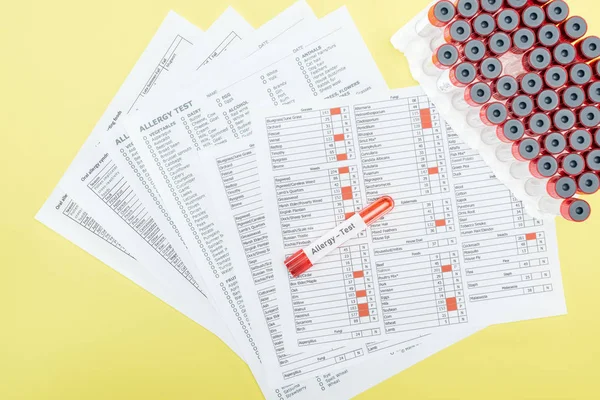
{"x":572,"y":96}
{"x":538,"y":124}
{"x":557,"y":11}
{"x":580,"y":74}
{"x":537,"y":59}
{"x":574,"y":28}
{"x":563,"y":119}
{"x":499,"y":43}
{"x":588,"y":183}
{"x":531,"y":83}
{"x":484,"y":24}
{"x":533,"y":17}
{"x":491,"y":6}
{"x":526,"y":149}
{"x":593,"y":92}
{"x":561,"y":187}
{"x":474,"y":50}
{"x":588,"y":48}
{"x":493,"y":114}
{"x":547,"y":100}
{"x":575,"y":210}
{"x":571,"y":164}
{"x":579,"y":140}
{"x":549,"y":35}
{"x":467,"y":8}
{"x":556,"y":77}
{"x":520,"y":106}
{"x":588,"y":117}
{"x":477,"y":94}
{"x":463,"y":74}
{"x":554,"y":143}
{"x":523,"y":40}
{"x":564,"y":54}
{"x":592,"y":160}
{"x":445,"y":56}
{"x":543,"y":167}
{"x":505,"y":87}
{"x":517,"y":4}
{"x":441,"y":13}
{"x":510,"y":131}
{"x":458,"y":31}
{"x":508,"y":20}
{"x":490,"y":69}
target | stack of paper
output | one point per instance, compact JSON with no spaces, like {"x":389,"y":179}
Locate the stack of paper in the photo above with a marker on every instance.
{"x":225,"y":151}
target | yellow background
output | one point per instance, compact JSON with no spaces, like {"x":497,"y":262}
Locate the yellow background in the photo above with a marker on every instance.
{"x":71,"y":328}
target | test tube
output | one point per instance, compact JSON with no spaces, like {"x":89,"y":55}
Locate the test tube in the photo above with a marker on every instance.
{"x":439,"y":15}
{"x":579,"y":140}
{"x":538,"y":124}
{"x":596,"y":135}
{"x":533,"y":17}
{"x":476,"y":95}
{"x":564,"y":53}
{"x":553,"y":143}
{"x":510,"y":131}
{"x":517,"y":4}
{"x":520,"y":106}
{"x":563,"y":119}
{"x":491,"y":6}
{"x":572,"y":96}
{"x":549,"y":35}
{"x":596,"y":68}
{"x":460,"y":75}
{"x":557,"y":187}
{"x":574,"y":210}
{"x":537,"y":59}
{"x":543,"y":167}
{"x":588,"y":49}
{"x":491,"y":114}
{"x":571,"y":164}
{"x":573,"y":28}
{"x":483,"y":25}
{"x":508,"y":20}
{"x":530,"y":83}
{"x":556,"y":11}
{"x":499,"y":43}
{"x":467,"y":9}
{"x":457,"y":32}
{"x":490,"y":69}
{"x":588,"y":117}
{"x":443,"y":58}
{"x":547,"y":100}
{"x":592,"y":92}
{"x":525,"y":149}
{"x":588,"y":183}
{"x":523,"y":40}
{"x":592,"y":160}
{"x":474,"y":51}
{"x":580,"y":74}
{"x":555,"y":77}
{"x":505,"y":87}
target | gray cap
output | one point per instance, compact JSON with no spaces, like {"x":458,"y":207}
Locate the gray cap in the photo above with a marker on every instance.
{"x":592,"y":160}
{"x":588,"y":117}
{"x":555,"y":77}
{"x":579,"y":140}
{"x":528,"y":149}
{"x":589,"y":48}
{"x":523,"y":40}
{"x":484,"y":24}
{"x":576,"y":210}
{"x":465,"y":73}
{"x":447,"y":55}
{"x":474,"y":50}
{"x":491,"y":6}
{"x":538,"y":59}
{"x":499,"y":43}
{"x":496,"y":113}
{"x":521,"y":106}
{"x":479,"y":93}
{"x":564,"y":53}
{"x":554,"y":143}
{"x":459,"y":31}
{"x":573,"y":96}
{"x":588,"y":183}
{"x":565,"y":187}
{"x":508,"y":20}
{"x":512,"y":130}
{"x":505,"y":87}
{"x":574,"y":28}
{"x":547,"y":100}
{"x":557,"y":11}
{"x":539,"y":123}
{"x":563,"y":119}
{"x":533,"y":17}
{"x":572,"y":164}
{"x":490,"y":68}
{"x":549,"y":35}
{"x":444,"y":11}
{"x":546,"y":166}
{"x":580,"y":73}
{"x":467,"y":8}
{"x":531,"y":83}
{"x":593,"y":92}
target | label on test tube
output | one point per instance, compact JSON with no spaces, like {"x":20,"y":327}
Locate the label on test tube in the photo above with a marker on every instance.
{"x":305,"y":258}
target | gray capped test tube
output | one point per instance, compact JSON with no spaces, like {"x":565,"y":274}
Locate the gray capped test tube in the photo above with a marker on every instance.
{"x":460,"y":75}
{"x":553,"y":143}
{"x":588,"y":117}
{"x":443,"y":58}
{"x":505,"y":87}
{"x":543,"y":167}
{"x":579,"y":140}
{"x":508,"y":20}
{"x":564,"y":53}
{"x":520,"y":106}
{"x":490,"y":69}
{"x":588,"y":183}
{"x":439,"y":15}
{"x":592,"y":92}
{"x":555,"y":77}
{"x":530,"y":83}
{"x":574,"y":210}
{"x":563,"y":119}
{"x":572,"y":96}
{"x":573,"y":28}
{"x":592,"y":160}
{"x":517,"y":4}
{"x":475,"y":95}
{"x":588,"y":49}
{"x":458,"y":31}
{"x":561,"y":187}
{"x":549,"y":35}
{"x":526,"y":149}
{"x":483,"y":25}
{"x":523,"y":40}
{"x":580,"y":74}
{"x":491,"y":114}
{"x":537,"y":59}
{"x":499,"y":43}
{"x":491,"y":6}
{"x":571,"y":164}
{"x":474,"y":51}
{"x":510,"y":131}
{"x":538,"y":124}
{"x":547,"y":100}
{"x":467,"y":8}
{"x":556,"y":11}
{"x":533,"y":17}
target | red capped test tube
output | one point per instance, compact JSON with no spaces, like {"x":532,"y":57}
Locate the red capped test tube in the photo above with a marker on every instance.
{"x":556,"y":11}
{"x":440,"y":14}
{"x":533,"y":17}
{"x":574,"y":210}
{"x":588,"y":183}
{"x":573,"y":29}
{"x":443,"y":58}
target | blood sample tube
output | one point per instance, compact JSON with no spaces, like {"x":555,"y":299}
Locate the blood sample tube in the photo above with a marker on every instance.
{"x":588,"y":183}
{"x":520,"y":106}
{"x":439,"y":15}
{"x":596,"y":68}
{"x":530,"y":83}
{"x":491,"y":114}
{"x":483,"y":25}
{"x":547,"y":101}
{"x":588,"y":117}
{"x":592,"y":92}
{"x":549,"y":35}
{"x":526,"y":149}
{"x":508,"y":20}
{"x":556,"y":11}
{"x":460,"y":75}
{"x":573,"y":29}
{"x":561,"y":187}
{"x":574,"y":210}
{"x":490,"y":69}
{"x":580,"y":74}
{"x":538,"y":124}
{"x":474,"y":51}
{"x":553,"y":143}
{"x":499,"y":43}
{"x":533,"y":17}
{"x":467,"y":9}
{"x":537,"y":59}
{"x":457,"y":32}
{"x":563,"y":119}
{"x":523,"y":40}
{"x":477,"y":94}
{"x":572,"y":96}
{"x":491,"y":6}
{"x":579,"y":140}
{"x":543,"y":167}
{"x":517,"y":4}
{"x":596,"y":135}
{"x":505,"y":87}
{"x":571,"y":164}
{"x":588,"y":49}
{"x":592,"y":160}
{"x":555,"y":77}
{"x":510,"y":131}
{"x":443,"y":58}
{"x":564,"y":53}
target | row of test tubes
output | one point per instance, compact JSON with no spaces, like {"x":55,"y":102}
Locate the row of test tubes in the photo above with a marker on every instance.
{"x":528,"y":80}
